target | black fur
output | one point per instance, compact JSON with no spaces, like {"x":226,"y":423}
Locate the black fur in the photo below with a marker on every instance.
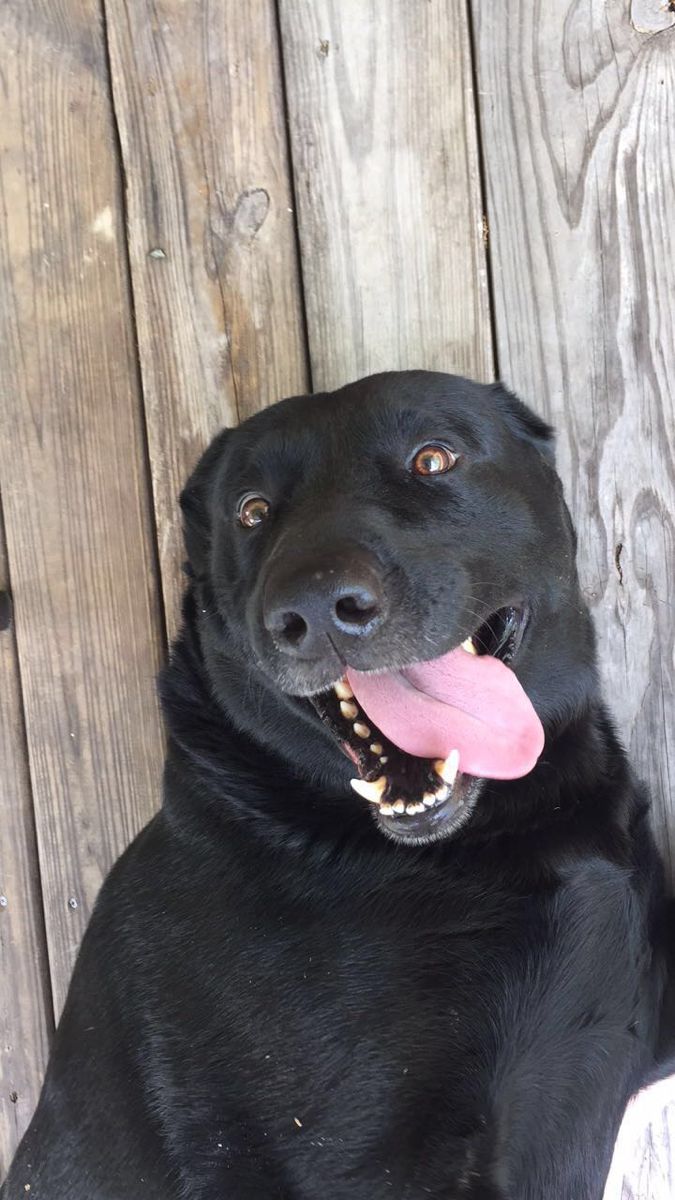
{"x":273,"y":1000}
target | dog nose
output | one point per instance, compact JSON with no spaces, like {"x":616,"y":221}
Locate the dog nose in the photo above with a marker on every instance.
{"x":340,"y":601}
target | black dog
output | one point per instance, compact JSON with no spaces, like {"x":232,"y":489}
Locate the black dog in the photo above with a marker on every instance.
{"x":442,"y":979}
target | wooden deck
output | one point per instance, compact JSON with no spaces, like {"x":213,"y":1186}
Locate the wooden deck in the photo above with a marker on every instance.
{"x":208,"y":204}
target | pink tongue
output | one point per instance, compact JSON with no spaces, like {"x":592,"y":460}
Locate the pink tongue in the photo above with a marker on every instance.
{"x":461,"y":701}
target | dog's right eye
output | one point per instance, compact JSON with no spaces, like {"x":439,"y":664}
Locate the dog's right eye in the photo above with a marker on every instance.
{"x":252,"y":510}
{"x":434,"y":459}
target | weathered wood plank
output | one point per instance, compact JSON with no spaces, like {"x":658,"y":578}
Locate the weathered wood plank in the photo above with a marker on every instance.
{"x":578,"y":123}
{"x":25,"y":997}
{"x":76,"y":500}
{"x":652,"y":16}
{"x":387,"y":183}
{"x":643,"y":1167}
{"x":198,"y":97}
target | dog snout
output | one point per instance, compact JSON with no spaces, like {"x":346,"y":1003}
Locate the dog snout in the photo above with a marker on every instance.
{"x":323,"y":602}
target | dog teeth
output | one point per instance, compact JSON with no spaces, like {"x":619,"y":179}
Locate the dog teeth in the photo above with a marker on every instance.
{"x":342,"y":690}
{"x":469,"y":646}
{"x":448,"y":767}
{"x":398,"y":808}
{"x":372,"y":790}
{"x":348,"y":709}
{"x":360,"y":729}
{"x":376,"y":748}
{"x":383,"y":758}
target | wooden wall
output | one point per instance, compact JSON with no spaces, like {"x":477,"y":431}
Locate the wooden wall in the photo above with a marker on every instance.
{"x":208,"y":204}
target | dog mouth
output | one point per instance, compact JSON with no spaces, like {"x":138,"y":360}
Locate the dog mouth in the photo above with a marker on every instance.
{"x":423,"y":738}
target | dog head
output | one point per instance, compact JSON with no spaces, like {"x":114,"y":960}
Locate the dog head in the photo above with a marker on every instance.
{"x":398,"y":555}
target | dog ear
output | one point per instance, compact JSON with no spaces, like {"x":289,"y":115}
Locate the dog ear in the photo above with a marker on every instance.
{"x":195,"y":502}
{"x":526,"y":424}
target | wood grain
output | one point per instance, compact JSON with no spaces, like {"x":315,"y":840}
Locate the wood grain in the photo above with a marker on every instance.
{"x":652,"y":16}
{"x":25,"y":997}
{"x":75,"y":493}
{"x":387,"y":182}
{"x":198,"y":95}
{"x":643,"y":1167}
{"x":578,"y":125}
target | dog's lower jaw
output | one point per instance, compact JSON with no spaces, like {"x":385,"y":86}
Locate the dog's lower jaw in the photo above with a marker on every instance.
{"x":441,"y":823}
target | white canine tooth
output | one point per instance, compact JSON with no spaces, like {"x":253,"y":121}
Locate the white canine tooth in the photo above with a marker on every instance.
{"x":428,"y":800}
{"x":448,"y":767}
{"x":469,"y":646}
{"x":370,"y":789}
{"x":361,"y":730}
{"x":411,"y":809}
{"x":442,"y":794}
{"x":383,"y":758}
{"x":376,"y":747}
{"x":387,"y":810}
{"x":342,"y":690}
{"x":348,"y":709}
{"x":398,"y":806}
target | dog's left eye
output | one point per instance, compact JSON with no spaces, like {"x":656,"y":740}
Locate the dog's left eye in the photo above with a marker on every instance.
{"x":252,"y":510}
{"x":434,"y":459}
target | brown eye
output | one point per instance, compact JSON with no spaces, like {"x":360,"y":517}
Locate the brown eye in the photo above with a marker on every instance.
{"x":252,"y":510}
{"x":434,"y":459}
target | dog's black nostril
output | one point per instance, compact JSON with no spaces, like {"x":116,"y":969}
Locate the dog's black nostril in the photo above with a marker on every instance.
{"x":321,"y":606}
{"x":356,"y":609}
{"x":293,"y":628}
